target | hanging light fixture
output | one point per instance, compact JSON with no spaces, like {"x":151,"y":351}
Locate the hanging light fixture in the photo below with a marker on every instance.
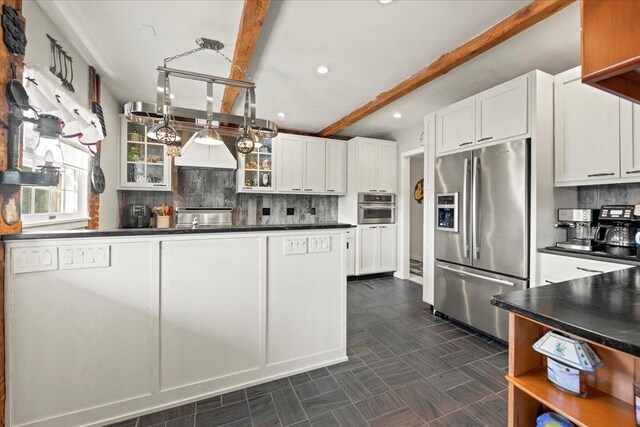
{"x":48,"y":151}
{"x":164,"y":120}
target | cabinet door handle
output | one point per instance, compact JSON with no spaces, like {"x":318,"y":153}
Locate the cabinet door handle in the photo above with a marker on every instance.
{"x":486,"y":138}
{"x":548,"y":281}
{"x":330,"y":190}
{"x":308,"y":189}
{"x":630,"y":172}
{"x":383,"y":226}
{"x":600,"y":174}
{"x":382,"y":191}
{"x":588,"y":270}
{"x":347,"y":245}
{"x":373,"y":191}
{"x":466,"y":143}
{"x":159,"y":185}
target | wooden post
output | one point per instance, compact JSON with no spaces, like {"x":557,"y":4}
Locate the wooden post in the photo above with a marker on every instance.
{"x":93,"y":198}
{"x":11,"y":66}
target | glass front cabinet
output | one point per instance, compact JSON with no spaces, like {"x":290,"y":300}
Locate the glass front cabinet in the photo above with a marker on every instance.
{"x":144,"y":164}
{"x":255,"y":170}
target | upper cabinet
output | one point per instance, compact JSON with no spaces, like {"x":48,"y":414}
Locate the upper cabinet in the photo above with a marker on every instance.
{"x":255,"y":169}
{"x":587,"y":131}
{"x":630,"y":141}
{"x":376,"y":163}
{"x":501,"y":112}
{"x":290,"y":162}
{"x":456,"y":126}
{"x":310,"y":165}
{"x":497,"y":114}
{"x":144,"y":164}
{"x":336,"y":167}
{"x":610,"y":48}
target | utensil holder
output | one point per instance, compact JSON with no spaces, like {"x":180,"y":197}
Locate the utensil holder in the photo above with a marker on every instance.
{"x":162,"y":221}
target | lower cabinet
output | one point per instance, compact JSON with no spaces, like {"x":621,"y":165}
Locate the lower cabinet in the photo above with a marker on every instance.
{"x":558,"y":268}
{"x":376,"y":249}
{"x":351,"y":252}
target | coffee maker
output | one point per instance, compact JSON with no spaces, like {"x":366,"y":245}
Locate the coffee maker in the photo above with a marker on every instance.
{"x":580,"y":225}
{"x":617,"y":229}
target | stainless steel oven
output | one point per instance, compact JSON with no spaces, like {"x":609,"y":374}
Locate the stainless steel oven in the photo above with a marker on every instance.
{"x":376,"y":208}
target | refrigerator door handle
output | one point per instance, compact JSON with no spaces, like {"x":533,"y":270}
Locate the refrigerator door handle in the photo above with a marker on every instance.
{"x":475,"y":200}
{"x":477,"y":276}
{"x":465,"y":198}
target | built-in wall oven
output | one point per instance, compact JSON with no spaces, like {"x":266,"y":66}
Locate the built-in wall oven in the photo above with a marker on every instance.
{"x":376,"y":208}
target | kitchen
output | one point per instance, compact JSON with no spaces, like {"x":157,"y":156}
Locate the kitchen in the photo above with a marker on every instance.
{"x":210,"y":226}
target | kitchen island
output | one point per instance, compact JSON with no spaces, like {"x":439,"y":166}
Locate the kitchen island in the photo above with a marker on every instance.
{"x":603,"y":310}
{"x":106,"y":325}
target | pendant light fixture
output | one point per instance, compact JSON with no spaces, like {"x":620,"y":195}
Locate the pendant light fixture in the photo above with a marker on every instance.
{"x":208,"y":135}
{"x":164,"y":120}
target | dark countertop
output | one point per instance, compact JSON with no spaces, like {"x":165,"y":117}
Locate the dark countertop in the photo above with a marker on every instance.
{"x":125,"y":232}
{"x":597,"y":256}
{"x":604,"y":308}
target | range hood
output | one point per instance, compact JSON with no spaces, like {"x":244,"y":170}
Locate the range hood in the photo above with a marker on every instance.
{"x":199,"y":156}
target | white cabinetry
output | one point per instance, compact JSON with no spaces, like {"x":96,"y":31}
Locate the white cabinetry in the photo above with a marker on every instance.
{"x":310,"y":165}
{"x":629,"y":141}
{"x":497,"y":114}
{"x":501,"y":112}
{"x":88,"y":330}
{"x":290,"y":163}
{"x":314,"y":165}
{"x":210,"y":319}
{"x":351,"y":251}
{"x":376,"y":163}
{"x":587,"y":132}
{"x":376,"y":249}
{"x":336,"y":166}
{"x":144,"y":164}
{"x":557,"y":268}
{"x":456,"y":126}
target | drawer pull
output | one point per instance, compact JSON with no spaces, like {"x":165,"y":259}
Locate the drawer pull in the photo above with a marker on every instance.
{"x":487,"y":138}
{"x":600,"y":174}
{"x":466,"y":143}
{"x":630,"y":172}
{"x":373,"y":191}
{"x":330,"y":190}
{"x":308,"y":189}
{"x":589,"y":270}
{"x":296,"y":189}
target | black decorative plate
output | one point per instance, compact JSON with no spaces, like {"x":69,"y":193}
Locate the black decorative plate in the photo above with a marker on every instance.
{"x":97,"y":179}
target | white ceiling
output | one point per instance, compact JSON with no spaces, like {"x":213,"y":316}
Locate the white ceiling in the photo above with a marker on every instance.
{"x":368,"y":46}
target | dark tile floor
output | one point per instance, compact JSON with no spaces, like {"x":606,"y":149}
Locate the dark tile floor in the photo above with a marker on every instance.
{"x":406,"y":368}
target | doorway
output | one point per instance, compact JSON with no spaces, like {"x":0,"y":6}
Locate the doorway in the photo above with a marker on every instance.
{"x":411,"y":217}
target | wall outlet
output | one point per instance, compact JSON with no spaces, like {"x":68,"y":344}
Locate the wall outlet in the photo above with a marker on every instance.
{"x":290,"y":211}
{"x":313,"y":211}
{"x":266,"y":211}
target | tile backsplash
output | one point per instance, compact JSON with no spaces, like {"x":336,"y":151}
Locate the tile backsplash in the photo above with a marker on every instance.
{"x":217,"y":188}
{"x":594,"y":196}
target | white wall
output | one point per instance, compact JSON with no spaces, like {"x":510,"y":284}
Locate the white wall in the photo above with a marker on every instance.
{"x":38,"y":52}
{"x":416,"y":214}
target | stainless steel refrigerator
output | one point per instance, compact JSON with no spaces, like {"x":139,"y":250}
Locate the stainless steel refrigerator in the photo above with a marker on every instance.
{"x":482,"y":232}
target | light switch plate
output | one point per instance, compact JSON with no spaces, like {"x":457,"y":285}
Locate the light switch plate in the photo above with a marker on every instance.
{"x":84,"y":256}
{"x":295,"y":245}
{"x":319,"y":244}
{"x":30,"y":260}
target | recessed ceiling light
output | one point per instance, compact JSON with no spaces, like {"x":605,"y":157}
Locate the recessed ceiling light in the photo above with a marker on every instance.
{"x":322,"y":69}
{"x":397,"y":115}
{"x":282,"y":115}
{"x":385,"y":1}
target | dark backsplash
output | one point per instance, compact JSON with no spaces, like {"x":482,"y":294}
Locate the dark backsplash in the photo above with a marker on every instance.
{"x":217,"y":188}
{"x":594,"y":196}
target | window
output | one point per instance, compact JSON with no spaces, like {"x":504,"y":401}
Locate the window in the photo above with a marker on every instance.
{"x":42,"y":206}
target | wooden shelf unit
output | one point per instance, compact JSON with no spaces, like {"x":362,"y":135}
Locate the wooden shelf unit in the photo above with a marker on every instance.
{"x":610,"y":393}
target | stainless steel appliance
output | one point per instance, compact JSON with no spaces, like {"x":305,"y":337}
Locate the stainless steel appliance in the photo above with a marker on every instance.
{"x":136,"y":216}
{"x":376,"y":208}
{"x":482,"y":247}
{"x":580,"y":225}
{"x":203,"y":217}
{"x":617,"y":229}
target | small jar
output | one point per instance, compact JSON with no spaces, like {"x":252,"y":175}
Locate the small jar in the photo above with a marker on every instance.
{"x":162,"y":221}
{"x":636,"y":393}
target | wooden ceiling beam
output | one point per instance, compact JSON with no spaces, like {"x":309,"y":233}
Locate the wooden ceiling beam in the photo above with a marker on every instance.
{"x":524,"y":18}
{"x":253,"y":14}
